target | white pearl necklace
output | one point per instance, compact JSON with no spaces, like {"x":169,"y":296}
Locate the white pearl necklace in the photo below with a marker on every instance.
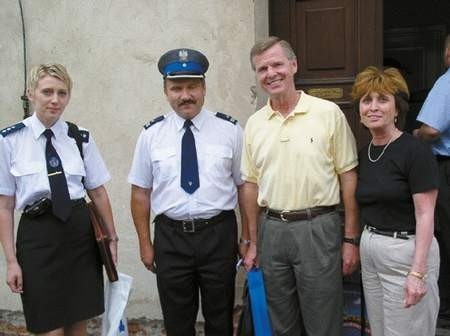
{"x":382,"y":152}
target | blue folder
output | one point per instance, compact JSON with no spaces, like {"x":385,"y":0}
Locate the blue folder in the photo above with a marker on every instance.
{"x":260,"y":314}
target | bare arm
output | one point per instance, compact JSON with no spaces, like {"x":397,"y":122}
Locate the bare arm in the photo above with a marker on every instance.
{"x":424,"y":203}
{"x":101,"y":200}
{"x":245,"y":235}
{"x":427,"y":133}
{"x":13,"y":271}
{"x":350,"y":252}
{"x":140,"y":210}
{"x":251,"y":213}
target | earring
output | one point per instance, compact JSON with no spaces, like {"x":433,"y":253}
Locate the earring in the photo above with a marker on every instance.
{"x":395,"y":120}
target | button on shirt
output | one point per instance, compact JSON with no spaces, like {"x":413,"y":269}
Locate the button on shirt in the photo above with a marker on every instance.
{"x":157,"y":166}
{"x":435,"y":112}
{"x":23,"y":170}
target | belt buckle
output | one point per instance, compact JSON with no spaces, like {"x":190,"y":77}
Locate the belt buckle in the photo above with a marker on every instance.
{"x":282,"y":213}
{"x":188,"y":226}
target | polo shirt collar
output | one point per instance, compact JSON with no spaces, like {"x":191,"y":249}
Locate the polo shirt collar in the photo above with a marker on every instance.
{"x":301,"y":107}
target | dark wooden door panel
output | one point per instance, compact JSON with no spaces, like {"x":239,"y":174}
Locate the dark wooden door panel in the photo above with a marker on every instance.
{"x":325,"y":38}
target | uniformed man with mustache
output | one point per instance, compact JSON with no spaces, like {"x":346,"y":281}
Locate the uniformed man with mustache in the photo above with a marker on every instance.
{"x":186,"y":169}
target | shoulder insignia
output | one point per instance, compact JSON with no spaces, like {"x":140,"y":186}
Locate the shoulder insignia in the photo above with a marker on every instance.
{"x":77,"y":133}
{"x":226,"y":117}
{"x":154,"y":121}
{"x":84,"y":135}
{"x":11,"y":129}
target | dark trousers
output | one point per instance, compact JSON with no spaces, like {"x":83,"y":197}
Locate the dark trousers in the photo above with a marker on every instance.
{"x":443,"y":236}
{"x":189,"y":263}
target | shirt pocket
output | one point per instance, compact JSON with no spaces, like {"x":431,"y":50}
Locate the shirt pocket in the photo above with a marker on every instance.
{"x":164,"y":163}
{"x":74,"y":168}
{"x":219,"y":160}
{"x":30,"y":175}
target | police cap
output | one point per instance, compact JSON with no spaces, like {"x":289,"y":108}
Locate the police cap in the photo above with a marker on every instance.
{"x":183,"y":63}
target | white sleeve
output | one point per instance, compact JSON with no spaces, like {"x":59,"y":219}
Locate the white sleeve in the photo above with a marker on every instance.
{"x":141,"y":172}
{"x":7,"y":182}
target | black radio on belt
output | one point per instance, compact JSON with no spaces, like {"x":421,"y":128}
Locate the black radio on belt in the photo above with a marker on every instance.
{"x":38,"y":207}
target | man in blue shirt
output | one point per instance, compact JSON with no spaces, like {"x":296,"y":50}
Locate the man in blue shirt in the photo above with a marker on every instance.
{"x":435,"y":116}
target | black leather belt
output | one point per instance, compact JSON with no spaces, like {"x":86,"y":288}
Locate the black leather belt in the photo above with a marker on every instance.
{"x":44,"y":204}
{"x":296,"y":215}
{"x":441,"y":158}
{"x":394,"y":234}
{"x":196,"y":224}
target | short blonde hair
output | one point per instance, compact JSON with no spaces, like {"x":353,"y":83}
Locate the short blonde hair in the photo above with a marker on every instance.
{"x":49,"y":69}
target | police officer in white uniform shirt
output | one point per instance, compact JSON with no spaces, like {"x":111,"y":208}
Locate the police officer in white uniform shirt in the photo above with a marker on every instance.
{"x":186,"y":169}
{"x":56,"y":267}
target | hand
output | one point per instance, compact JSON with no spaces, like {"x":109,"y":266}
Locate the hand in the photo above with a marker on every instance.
{"x":350,"y":258}
{"x":14,"y":277}
{"x":148,"y":257}
{"x":113,"y":248}
{"x":243,"y":248}
{"x":415,"y":290}
{"x":250,"y":257}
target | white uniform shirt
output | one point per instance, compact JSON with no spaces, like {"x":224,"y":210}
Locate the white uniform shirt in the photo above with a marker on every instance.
{"x":157,"y":165}
{"x":23,"y":168}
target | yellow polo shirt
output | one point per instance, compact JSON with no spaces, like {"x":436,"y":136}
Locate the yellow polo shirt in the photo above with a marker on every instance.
{"x":295,"y":161}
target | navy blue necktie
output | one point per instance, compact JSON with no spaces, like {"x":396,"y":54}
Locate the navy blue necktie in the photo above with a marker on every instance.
{"x":61,"y":205}
{"x":189,"y":165}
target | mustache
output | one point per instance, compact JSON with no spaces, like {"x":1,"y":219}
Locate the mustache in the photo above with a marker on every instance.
{"x":186,"y":102}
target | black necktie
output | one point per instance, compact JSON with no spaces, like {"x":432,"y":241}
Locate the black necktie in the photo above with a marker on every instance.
{"x":189,"y":165}
{"x":62,"y":207}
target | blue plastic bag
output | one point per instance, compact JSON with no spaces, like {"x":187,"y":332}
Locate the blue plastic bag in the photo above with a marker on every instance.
{"x":260,"y":314}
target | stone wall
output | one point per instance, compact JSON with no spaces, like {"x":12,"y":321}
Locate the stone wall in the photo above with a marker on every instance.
{"x":111,"y":49}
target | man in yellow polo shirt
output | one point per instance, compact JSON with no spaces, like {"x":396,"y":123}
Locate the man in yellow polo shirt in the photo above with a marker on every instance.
{"x":299,"y":154}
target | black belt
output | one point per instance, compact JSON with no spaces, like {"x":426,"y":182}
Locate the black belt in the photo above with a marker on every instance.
{"x":196,"y":224}
{"x":44,"y":204}
{"x":441,"y":158}
{"x":394,"y":234}
{"x":296,"y":215}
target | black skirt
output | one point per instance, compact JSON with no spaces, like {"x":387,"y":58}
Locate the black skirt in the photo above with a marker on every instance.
{"x":62,"y":271}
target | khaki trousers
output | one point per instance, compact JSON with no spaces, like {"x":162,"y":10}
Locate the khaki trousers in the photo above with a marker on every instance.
{"x":384,"y":264}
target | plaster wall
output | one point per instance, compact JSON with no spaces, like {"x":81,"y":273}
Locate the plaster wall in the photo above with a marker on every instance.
{"x":111,"y":48}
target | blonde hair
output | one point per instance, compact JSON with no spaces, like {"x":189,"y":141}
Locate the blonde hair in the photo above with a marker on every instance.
{"x":49,"y":69}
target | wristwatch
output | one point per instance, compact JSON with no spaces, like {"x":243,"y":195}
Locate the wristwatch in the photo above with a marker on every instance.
{"x":354,"y":241}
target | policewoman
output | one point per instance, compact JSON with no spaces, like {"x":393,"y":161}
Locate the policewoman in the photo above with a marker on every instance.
{"x":186,"y":169}
{"x":56,"y":265}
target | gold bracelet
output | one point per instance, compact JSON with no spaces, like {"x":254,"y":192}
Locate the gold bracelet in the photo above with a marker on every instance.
{"x":417,"y":275}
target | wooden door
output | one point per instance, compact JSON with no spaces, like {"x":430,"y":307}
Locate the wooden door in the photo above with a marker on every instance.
{"x":333,"y":41}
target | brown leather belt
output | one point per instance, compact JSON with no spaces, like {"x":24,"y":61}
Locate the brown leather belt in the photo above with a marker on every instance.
{"x":296,"y":215}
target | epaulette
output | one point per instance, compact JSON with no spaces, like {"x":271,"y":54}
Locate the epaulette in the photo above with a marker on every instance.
{"x":84,"y":135}
{"x":226,"y":117}
{"x":154,"y":121}
{"x":77,"y":133}
{"x":11,"y":129}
